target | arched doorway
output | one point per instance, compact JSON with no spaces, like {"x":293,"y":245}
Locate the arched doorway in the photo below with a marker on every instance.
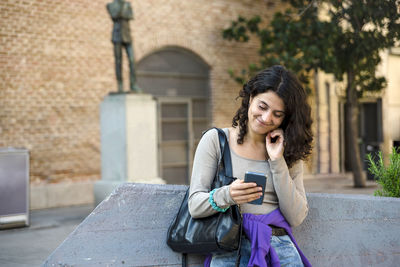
{"x":179,"y":80}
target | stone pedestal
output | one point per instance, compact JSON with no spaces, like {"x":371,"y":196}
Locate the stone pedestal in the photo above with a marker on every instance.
{"x":128,"y":142}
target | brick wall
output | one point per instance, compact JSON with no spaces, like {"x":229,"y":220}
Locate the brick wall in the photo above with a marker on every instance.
{"x":197,"y":26}
{"x":56,"y":65}
{"x":55,"y":68}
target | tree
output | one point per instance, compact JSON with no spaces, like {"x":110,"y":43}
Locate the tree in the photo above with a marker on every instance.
{"x":340,"y":37}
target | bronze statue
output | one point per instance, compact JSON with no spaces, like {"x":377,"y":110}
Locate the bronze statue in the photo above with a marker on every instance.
{"x":121,"y":12}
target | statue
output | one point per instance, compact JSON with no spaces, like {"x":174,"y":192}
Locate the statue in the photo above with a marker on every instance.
{"x":121,"y":12}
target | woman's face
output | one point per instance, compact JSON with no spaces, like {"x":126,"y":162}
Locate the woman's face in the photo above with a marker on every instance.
{"x":266,"y":112}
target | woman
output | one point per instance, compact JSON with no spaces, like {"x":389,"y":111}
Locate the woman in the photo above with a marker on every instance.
{"x":270,"y":134}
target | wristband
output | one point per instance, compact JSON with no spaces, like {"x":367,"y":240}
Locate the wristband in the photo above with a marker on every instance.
{"x":213,"y":204}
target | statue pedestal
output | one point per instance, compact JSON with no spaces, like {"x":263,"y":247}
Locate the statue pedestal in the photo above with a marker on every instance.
{"x":128,"y":142}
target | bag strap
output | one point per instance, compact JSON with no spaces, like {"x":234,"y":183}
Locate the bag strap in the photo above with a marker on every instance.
{"x":227,"y":163}
{"x":225,"y":152}
{"x":224,"y":162}
{"x":184,"y":259}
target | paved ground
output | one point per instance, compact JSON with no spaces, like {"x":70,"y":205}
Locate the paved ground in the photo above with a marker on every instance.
{"x":30,"y":246}
{"x":334,"y":184}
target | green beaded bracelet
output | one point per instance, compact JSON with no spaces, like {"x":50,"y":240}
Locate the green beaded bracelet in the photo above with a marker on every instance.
{"x":213,"y":204}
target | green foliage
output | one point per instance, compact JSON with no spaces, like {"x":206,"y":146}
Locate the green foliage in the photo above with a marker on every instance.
{"x":387,"y":177}
{"x":347,"y":41}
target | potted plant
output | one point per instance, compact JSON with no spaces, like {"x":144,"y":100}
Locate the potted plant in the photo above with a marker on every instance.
{"x":387,"y":177}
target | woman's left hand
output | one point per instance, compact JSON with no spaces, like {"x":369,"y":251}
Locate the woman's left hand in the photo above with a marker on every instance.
{"x":275,"y":150}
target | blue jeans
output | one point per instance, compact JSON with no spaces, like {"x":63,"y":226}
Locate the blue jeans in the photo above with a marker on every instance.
{"x":283,"y":245}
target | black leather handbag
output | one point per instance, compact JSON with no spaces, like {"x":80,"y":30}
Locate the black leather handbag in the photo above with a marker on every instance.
{"x":216,"y":233}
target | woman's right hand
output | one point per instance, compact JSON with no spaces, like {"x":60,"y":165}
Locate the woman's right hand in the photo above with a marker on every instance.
{"x":242,"y":192}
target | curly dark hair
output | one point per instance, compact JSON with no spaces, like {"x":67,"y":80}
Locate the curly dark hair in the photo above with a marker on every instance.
{"x":297,"y":122}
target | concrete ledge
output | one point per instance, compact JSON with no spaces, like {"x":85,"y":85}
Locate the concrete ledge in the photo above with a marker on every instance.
{"x":129,"y":229}
{"x":351,"y":230}
{"x":103,"y":188}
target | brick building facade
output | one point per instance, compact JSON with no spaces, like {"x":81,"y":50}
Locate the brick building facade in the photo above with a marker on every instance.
{"x":57,"y":64}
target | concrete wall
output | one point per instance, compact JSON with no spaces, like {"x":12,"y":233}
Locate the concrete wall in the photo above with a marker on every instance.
{"x":46,"y":196}
{"x":129,"y":229}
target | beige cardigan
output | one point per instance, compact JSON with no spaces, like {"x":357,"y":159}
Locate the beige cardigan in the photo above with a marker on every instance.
{"x":284,"y":188}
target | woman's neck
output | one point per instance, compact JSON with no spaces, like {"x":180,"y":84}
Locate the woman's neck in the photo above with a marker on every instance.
{"x":254,"y":139}
{"x":253,"y":146}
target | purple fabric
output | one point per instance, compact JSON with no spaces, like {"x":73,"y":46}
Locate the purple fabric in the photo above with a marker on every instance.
{"x":207,"y":261}
{"x":259,"y":232}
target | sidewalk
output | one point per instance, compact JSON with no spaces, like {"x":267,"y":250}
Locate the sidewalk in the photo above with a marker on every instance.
{"x":337,"y":184}
{"x":30,"y":246}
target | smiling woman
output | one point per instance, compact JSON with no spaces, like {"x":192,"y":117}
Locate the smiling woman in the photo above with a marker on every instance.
{"x":270,"y":135}
{"x":279,"y":86}
{"x":266,"y":113}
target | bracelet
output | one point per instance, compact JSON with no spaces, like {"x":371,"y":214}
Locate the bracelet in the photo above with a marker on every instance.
{"x":213,"y":204}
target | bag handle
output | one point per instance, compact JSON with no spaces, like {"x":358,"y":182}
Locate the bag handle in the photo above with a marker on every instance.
{"x":225,"y":166}
{"x":223,"y":175}
{"x":227,"y":163}
{"x":225,"y":152}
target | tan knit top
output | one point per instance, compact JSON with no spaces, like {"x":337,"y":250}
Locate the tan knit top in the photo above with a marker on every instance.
{"x":284,"y":187}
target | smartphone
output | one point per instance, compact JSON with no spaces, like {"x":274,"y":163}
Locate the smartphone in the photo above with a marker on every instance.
{"x":260,"y":179}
